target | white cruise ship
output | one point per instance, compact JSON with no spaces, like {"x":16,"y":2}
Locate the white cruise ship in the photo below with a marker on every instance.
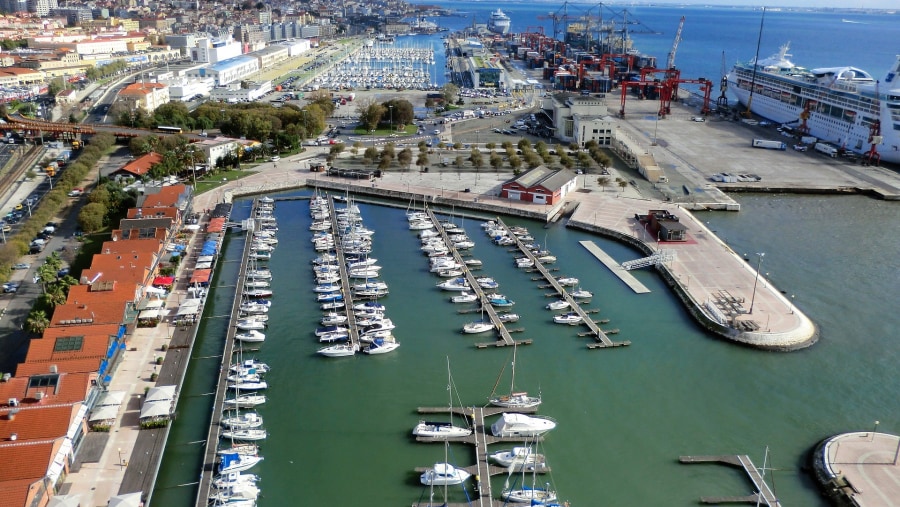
{"x":845,"y":106}
{"x":499,"y":22}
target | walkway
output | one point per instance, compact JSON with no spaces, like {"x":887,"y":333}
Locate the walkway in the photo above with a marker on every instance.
{"x":615,"y":267}
{"x":763,"y":495}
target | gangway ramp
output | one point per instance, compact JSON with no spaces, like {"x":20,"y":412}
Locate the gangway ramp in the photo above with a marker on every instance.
{"x":615,"y":267}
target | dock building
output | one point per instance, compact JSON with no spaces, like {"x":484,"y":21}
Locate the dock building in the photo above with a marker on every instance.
{"x":540,"y":185}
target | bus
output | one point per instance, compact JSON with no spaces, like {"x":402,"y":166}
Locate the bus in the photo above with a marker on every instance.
{"x":169,"y":130}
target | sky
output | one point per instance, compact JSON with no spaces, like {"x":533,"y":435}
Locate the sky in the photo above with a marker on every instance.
{"x":846,"y":4}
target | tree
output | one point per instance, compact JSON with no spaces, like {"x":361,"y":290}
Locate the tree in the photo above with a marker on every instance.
{"x":622,"y":184}
{"x":404,"y":157}
{"x":459,"y":162}
{"x":371,"y":115}
{"x":422,"y":160}
{"x":46,"y":275}
{"x":496,"y":161}
{"x":450,"y":92}
{"x":91,"y":217}
{"x":36,"y":322}
{"x":370,"y":155}
{"x":99,"y":195}
{"x":400,"y":112}
{"x":56,"y":85}
{"x":603,"y":181}
{"x":515,"y":162}
{"x":476,"y":159}
{"x":385,"y":162}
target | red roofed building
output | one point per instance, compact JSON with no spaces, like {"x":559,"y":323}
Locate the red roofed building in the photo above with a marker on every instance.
{"x":139,"y":166}
{"x":178,"y":196}
{"x":146,"y":96}
{"x":139,"y":268}
{"x":540,"y":185}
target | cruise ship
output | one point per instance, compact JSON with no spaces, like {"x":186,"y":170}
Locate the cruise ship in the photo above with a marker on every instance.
{"x":840,"y":105}
{"x":499,"y":22}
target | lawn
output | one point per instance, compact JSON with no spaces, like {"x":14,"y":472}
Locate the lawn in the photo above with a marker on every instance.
{"x":211,"y":182}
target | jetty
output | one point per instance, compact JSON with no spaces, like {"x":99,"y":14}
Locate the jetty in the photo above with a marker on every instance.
{"x":763,"y":495}
{"x":506,"y":338}
{"x":345,"y":277}
{"x":480,"y":438}
{"x":210,"y":453}
{"x":602,"y":340}
{"x":615,"y":267}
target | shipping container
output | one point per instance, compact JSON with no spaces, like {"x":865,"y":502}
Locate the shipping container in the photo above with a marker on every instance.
{"x":769,"y":145}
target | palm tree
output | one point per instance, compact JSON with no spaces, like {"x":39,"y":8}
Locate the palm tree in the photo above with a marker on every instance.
{"x":36,"y":322}
{"x":47,"y":275}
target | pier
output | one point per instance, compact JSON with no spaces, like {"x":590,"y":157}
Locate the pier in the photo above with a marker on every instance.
{"x":615,"y":267}
{"x":506,"y":338}
{"x":763,"y":495}
{"x":345,"y":277}
{"x":208,"y":471}
{"x":603,"y":340}
{"x":480,"y":438}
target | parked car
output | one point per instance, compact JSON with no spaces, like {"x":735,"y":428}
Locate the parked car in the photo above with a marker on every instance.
{"x":22,"y":265}
{"x":10,"y":287}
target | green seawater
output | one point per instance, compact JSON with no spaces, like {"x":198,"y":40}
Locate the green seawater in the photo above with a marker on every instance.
{"x":340,"y":429}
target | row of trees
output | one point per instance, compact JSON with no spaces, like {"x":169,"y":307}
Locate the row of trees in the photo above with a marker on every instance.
{"x":396,"y":113}
{"x":52,"y":202}
{"x":104,"y":204}
{"x":54,"y":292}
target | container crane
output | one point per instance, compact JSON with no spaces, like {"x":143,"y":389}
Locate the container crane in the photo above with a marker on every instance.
{"x":875,"y":137}
{"x":670,"y":61}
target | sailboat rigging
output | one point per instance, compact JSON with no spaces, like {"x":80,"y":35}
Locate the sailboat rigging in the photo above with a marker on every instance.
{"x":515,"y":399}
{"x":434,"y":429}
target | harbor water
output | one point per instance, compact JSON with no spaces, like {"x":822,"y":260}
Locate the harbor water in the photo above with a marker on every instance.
{"x":624,"y":415}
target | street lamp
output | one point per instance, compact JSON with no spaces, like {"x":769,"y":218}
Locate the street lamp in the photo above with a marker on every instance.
{"x":875,"y":430}
{"x":391,"y":109}
{"x":755,"y":281}
{"x":120,"y":458}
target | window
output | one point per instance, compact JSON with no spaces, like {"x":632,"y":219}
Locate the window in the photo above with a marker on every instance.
{"x":68,"y":343}
{"x":43,"y":381}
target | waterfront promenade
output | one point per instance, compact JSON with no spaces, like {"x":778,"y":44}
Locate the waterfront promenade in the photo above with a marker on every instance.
{"x":718,"y":286}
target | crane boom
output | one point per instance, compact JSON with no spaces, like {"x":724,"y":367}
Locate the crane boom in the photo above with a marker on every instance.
{"x":670,"y":61}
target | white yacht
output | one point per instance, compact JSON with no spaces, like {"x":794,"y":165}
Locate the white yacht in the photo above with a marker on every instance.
{"x":521,"y":425}
{"x":444,"y":474}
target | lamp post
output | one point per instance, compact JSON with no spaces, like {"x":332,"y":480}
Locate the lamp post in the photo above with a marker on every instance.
{"x":792,"y":304}
{"x":121,"y":463}
{"x":373,"y":137}
{"x":756,"y":280}
{"x":391,"y":109}
{"x":875,"y":430}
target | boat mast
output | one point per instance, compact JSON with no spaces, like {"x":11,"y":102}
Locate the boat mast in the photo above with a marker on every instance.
{"x":748,"y":113}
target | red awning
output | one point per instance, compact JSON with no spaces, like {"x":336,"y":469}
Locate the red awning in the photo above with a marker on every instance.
{"x":164,"y":280}
{"x":201,"y":276}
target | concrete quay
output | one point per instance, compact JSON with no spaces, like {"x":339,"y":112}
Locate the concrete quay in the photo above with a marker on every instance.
{"x":859,"y":468}
{"x":720,"y":289}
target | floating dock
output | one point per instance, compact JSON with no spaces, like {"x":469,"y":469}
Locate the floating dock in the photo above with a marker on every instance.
{"x":210,"y":453}
{"x":615,"y":267}
{"x":345,"y":278}
{"x":481,"y":437}
{"x":603,"y":340}
{"x":506,"y":338}
{"x":763,"y":495}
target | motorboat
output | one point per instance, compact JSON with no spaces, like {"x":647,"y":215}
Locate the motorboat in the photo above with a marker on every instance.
{"x":581,"y":294}
{"x":333,"y":319}
{"x":449,"y":273}
{"x":235,"y":495}
{"x":371,"y":293}
{"x":508,"y":317}
{"x":500,"y":301}
{"x":521,"y":425}
{"x":254,"y":307}
{"x":439,"y":430}
{"x":258,"y":293}
{"x":567,"y":318}
{"x":246,"y":401}
{"x":257,"y":284}
{"x":245,"y":421}
{"x":334,"y":336}
{"x":464,"y":297}
{"x":235,"y":462}
{"x":520,"y":459}
{"x":333,"y":305}
{"x":369,"y":305}
{"x":473,"y":263}
{"x":247,"y":435}
{"x":258,"y":274}
{"x":252,"y":336}
{"x":257,"y":317}
{"x":365,"y":320}
{"x":374,"y":334}
{"x":320,"y":331}
{"x":326,"y":288}
{"x":546,"y":259}
{"x":479,"y":326}
{"x":524,"y":263}
{"x":567,"y":281}
{"x":377,"y":285}
{"x":369,"y":272}
{"x":244,"y":377}
{"x":561,"y":304}
{"x":230,"y":479}
{"x":381,"y":346}
{"x":240,"y":448}
{"x":250,"y":364}
{"x":444,"y":474}
{"x":240,"y":385}
{"x":339,"y":350}
{"x":250,"y":325}
{"x":330,"y":296}
{"x":455,"y":284}
{"x":261,"y":256}
{"x":323,"y":278}
{"x":487,"y":282}
{"x":382,"y":325}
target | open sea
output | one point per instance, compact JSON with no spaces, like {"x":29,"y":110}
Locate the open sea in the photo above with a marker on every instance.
{"x":339,"y":429}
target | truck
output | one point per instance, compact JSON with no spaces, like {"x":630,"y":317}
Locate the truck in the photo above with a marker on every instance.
{"x":827,"y":149}
{"x":51,"y":170}
{"x":76,"y":144}
{"x":769,"y":145}
{"x":809,"y":139}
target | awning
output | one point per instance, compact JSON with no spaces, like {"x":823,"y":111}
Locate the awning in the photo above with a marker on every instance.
{"x":76,"y":423}
{"x":201,"y":276}
{"x":65,"y":501}
{"x":160,"y":393}
{"x":59,"y":461}
{"x":151,"y":304}
{"x":155,"y":290}
{"x":192,"y":228}
{"x":203,"y":265}
{"x":148,"y":314}
{"x":163,"y":280}
{"x":156,"y":409}
{"x":205,"y":258}
{"x":104,"y":413}
{"x":125,"y":500}
{"x":111,"y":398}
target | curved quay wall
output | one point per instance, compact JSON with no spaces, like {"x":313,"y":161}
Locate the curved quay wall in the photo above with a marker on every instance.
{"x":800,"y":337}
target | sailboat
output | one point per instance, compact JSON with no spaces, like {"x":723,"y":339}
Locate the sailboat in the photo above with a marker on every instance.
{"x":532,"y":495}
{"x":444,"y":474}
{"x":442,"y":429}
{"x":515,"y":399}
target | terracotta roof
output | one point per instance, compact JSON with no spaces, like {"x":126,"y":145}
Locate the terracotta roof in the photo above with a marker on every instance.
{"x":83,"y":366}
{"x":166,"y":197}
{"x":141,"y":89}
{"x":141,"y":165}
{"x":74,"y":345}
{"x":133,"y":268}
{"x":35,"y":423}
{"x":19,"y":70}
{"x":70,"y":388}
{"x":16,"y":492}
{"x":97,"y":313}
{"x":126,"y":246}
{"x":154,"y":212}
